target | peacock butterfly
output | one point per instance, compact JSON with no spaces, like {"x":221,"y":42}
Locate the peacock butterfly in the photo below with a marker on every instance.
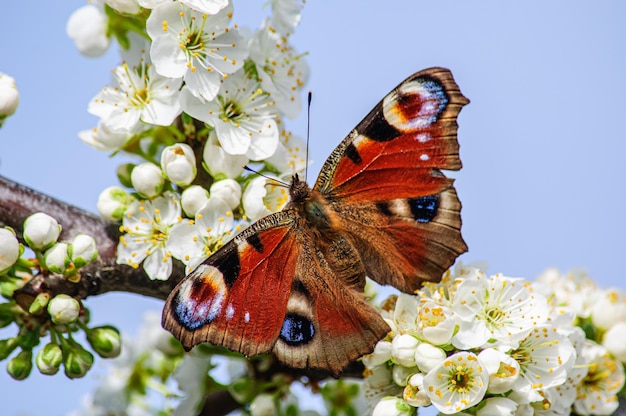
{"x":292,"y":283}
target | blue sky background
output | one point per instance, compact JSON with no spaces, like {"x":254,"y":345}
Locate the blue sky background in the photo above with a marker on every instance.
{"x":542,"y":141}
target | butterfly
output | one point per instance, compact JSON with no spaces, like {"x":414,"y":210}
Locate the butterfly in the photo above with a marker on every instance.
{"x":292,"y":283}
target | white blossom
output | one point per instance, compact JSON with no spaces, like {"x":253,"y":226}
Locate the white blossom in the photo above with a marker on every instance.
{"x":286,"y":15}
{"x":206,"y":6}
{"x":500,"y":308}
{"x":605,"y":378}
{"x":458,"y":383}
{"x":290,"y":155}
{"x":124,"y":6}
{"x":414,"y":392}
{"x":219,"y":162}
{"x":9,"y":248}
{"x":613,"y":341}
{"x":197,"y":47}
{"x":242,"y":115}
{"x":193,"y":241}
{"x":435,"y":323}
{"x":282,"y":72}
{"x":141,"y":95}
{"x":87,"y":27}
{"x":262,"y":197}
{"x":146,"y":228}
{"x":503,"y":370}
{"x":103,"y":138}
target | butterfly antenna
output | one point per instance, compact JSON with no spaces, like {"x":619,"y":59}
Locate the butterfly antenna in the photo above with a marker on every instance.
{"x":278,"y":182}
{"x":308,"y":128}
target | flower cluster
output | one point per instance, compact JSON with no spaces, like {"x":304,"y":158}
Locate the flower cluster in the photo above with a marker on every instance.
{"x":195,"y":98}
{"x":478,"y":344}
{"x":59,"y":316}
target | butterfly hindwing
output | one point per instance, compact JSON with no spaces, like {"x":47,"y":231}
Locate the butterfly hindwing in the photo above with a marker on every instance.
{"x":328,"y":322}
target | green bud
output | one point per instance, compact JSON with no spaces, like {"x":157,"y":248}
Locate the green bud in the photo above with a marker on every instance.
{"x":77,"y":361}
{"x":6,"y":347}
{"x":243,"y":390}
{"x":19,"y":367}
{"x":7,"y":313}
{"x":105,"y":341}
{"x":40,"y":302}
{"x":49,"y":359}
{"x":28,"y":339}
{"x":123,"y":174}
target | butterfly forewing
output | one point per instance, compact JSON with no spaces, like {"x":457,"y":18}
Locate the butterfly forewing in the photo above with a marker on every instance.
{"x":238,"y":297}
{"x":385,"y":180}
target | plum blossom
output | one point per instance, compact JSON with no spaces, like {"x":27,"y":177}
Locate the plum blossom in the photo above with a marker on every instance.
{"x":146,"y":228}
{"x":262,"y":197}
{"x":193,"y":241}
{"x":197,"y":47}
{"x":141,"y":95}
{"x":243,"y":117}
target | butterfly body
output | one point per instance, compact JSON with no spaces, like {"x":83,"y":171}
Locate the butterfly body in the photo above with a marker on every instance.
{"x":292,"y":283}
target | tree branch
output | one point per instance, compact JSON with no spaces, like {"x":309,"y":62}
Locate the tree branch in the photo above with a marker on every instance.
{"x":17,"y":202}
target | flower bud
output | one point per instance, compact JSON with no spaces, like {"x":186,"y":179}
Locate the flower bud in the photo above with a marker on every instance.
{"x":56,"y":258}
{"x":83,"y":250}
{"x":9,"y":97}
{"x":105,"y":341}
{"x":427,"y":356}
{"x":147,"y":179}
{"x":7,"y":314}
{"x":179,"y":164}
{"x":401,"y":374}
{"x":39,"y":304}
{"x":19,"y":367}
{"x":392,"y":406}
{"x":112,"y":203}
{"x":7,"y":346}
{"x":77,"y":361}
{"x":123,"y":173}
{"x":228,"y":190}
{"x":49,"y":359}
{"x":614,"y":341}
{"x":263,"y":405}
{"x":9,"y":249}
{"x":63,"y":309}
{"x":193,"y":198}
{"x":380,"y":355}
{"x":41,"y":231}
{"x":403,"y":349}
{"x":87,"y":27}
